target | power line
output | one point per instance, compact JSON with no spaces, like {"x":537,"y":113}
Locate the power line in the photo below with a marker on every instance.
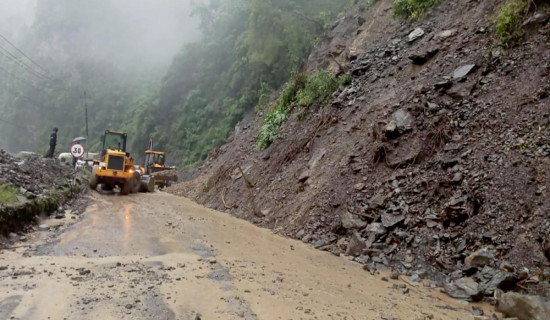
{"x":20,"y":63}
{"x":12,"y":57}
{"x":21,"y":52}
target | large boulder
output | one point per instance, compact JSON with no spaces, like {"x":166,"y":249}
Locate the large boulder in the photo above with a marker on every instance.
{"x":464,"y":289}
{"x":523,"y":307}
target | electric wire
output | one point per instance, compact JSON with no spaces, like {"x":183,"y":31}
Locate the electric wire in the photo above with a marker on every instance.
{"x":6,"y":53}
{"x":21,"y":52}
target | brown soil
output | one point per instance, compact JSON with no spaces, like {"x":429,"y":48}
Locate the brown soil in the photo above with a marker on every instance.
{"x":157,"y":256}
{"x":469,"y":171}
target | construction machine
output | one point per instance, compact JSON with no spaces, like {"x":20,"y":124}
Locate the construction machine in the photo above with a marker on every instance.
{"x":116,"y":167}
{"x":156,"y":167}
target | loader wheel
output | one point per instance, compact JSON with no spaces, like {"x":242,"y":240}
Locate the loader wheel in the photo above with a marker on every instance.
{"x":126,"y":188}
{"x":94,"y":180}
{"x":151,"y":186}
{"x":135,"y":183}
{"x":147,"y":184}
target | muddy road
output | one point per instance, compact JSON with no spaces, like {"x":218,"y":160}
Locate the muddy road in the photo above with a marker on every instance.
{"x":158,"y":256}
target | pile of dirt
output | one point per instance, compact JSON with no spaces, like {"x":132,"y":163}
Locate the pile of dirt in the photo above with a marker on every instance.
{"x":433,"y":162}
{"x":40,"y":186}
{"x":32,"y":175}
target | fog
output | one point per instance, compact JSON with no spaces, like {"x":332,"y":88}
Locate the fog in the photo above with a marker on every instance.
{"x":141,"y":34}
{"x":15,"y":16}
{"x":115,"y":50}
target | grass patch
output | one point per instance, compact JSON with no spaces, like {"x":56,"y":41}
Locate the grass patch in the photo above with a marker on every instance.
{"x":414,"y":9}
{"x":301,"y":91}
{"x":7,"y":194}
{"x":507,"y":21}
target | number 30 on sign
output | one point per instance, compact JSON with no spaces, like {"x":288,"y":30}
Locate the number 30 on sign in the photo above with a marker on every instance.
{"x":77,"y":150}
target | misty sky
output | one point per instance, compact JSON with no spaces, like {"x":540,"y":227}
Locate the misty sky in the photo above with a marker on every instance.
{"x":147,"y":32}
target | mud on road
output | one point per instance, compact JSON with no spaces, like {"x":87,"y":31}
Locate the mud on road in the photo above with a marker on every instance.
{"x":158,"y":256}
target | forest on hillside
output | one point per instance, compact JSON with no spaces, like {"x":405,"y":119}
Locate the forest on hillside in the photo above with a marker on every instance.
{"x":246,"y":49}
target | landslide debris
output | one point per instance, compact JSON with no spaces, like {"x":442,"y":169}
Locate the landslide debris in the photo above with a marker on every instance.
{"x":433,"y":161}
{"x":37,"y":186}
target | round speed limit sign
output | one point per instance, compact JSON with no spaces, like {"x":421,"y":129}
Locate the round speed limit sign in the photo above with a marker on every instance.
{"x":77,"y":150}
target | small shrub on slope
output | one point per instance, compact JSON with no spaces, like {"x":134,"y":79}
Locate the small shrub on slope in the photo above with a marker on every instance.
{"x":508,"y":19}
{"x":413,"y":9}
{"x":269,"y":131}
{"x":318,"y":88}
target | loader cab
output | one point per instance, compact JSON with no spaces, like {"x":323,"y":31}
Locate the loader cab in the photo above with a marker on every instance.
{"x":154,"y":161}
{"x":113,"y":140}
{"x":155,"y":158}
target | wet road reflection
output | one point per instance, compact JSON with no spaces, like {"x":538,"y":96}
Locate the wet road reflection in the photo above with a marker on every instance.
{"x":127,"y":225}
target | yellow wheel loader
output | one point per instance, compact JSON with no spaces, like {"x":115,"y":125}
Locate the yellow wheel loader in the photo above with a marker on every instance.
{"x":155,"y":166}
{"x":116,"y":167}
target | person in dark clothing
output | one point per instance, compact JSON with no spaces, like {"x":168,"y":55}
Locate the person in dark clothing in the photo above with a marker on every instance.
{"x":53,"y":143}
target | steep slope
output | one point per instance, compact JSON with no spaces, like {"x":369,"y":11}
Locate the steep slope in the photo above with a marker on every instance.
{"x":438,"y":148}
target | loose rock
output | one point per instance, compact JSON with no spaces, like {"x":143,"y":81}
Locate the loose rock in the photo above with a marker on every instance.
{"x":356,"y":245}
{"x":463,"y":71}
{"x":415,"y":34}
{"x":479,"y":259}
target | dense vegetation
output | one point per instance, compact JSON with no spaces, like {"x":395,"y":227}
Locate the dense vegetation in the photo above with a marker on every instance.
{"x":249,"y":48}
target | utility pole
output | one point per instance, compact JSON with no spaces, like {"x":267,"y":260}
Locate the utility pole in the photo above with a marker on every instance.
{"x":86,"y":116}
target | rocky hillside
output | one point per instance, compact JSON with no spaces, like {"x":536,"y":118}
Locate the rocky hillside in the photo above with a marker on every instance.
{"x":433,"y":161}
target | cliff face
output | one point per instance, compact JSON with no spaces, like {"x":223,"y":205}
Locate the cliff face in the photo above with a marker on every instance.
{"x":438,"y":148}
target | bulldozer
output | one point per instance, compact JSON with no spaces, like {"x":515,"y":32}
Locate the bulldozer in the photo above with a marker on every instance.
{"x":116,"y":167}
{"x":155,"y":166}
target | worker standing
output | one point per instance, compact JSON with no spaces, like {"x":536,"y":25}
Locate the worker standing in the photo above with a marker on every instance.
{"x":53,"y":143}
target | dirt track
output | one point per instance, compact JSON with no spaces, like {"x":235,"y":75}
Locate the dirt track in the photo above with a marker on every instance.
{"x":158,"y":256}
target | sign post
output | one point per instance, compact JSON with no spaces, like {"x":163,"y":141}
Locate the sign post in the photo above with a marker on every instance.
{"x":77,"y":151}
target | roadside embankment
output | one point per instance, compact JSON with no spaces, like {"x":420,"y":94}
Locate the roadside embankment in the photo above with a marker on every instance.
{"x":33,"y":186}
